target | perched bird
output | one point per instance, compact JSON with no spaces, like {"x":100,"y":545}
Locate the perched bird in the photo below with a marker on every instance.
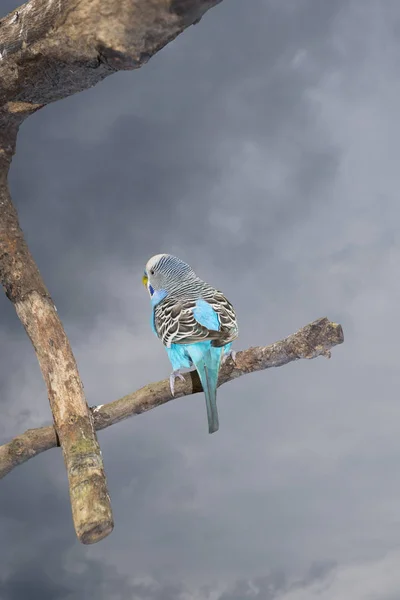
{"x":195,"y":322}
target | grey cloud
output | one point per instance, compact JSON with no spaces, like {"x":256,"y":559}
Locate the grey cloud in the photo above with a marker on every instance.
{"x":165,"y":161}
{"x":276,"y":585}
{"x":262,"y":147}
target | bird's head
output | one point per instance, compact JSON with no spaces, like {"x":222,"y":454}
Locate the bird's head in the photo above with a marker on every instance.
{"x":164,"y":273}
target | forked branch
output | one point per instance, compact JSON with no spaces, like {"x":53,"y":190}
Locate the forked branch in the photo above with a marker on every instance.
{"x":50,"y":49}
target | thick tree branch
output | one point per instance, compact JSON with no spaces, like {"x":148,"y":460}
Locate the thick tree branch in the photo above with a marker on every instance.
{"x":315,"y":339}
{"x":50,"y":49}
{"x":24,"y":286}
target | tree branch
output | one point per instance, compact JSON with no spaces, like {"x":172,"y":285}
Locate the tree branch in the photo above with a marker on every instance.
{"x":50,"y":49}
{"x":315,"y":339}
{"x":25,"y":288}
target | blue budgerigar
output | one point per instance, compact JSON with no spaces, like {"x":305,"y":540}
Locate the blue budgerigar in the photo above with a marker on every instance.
{"x":195,"y":322}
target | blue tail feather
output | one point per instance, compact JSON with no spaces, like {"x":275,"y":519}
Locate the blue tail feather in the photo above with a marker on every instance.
{"x":207,"y":363}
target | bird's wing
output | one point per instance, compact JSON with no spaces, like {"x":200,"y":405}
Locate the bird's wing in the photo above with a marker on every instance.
{"x":189,"y":321}
{"x":175,"y":323}
{"x":228,"y":327}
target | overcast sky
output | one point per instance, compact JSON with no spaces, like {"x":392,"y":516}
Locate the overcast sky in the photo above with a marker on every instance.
{"x":262,"y":147}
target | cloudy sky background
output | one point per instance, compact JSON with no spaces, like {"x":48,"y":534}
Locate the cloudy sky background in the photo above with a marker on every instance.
{"x":262,"y":146}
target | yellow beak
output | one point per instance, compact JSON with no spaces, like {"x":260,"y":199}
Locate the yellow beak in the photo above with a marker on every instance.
{"x":145,"y":279}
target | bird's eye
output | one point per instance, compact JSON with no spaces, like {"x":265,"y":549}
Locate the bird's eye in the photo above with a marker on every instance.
{"x":152,"y":272}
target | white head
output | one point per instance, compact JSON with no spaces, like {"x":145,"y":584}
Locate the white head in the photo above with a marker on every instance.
{"x":165,"y":272}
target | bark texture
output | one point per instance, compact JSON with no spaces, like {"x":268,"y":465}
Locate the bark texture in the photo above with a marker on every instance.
{"x":315,"y":339}
{"x":50,"y":49}
{"x":22,"y":282}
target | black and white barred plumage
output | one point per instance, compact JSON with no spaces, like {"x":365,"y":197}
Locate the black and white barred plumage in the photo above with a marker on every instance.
{"x":174,"y":318}
{"x":196,"y":323}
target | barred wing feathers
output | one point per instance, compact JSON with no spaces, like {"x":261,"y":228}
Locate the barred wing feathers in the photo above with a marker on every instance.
{"x":175,"y":322}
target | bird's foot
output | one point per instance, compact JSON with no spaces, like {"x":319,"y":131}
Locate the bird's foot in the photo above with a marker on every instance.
{"x":172,"y":378}
{"x":231,"y":354}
